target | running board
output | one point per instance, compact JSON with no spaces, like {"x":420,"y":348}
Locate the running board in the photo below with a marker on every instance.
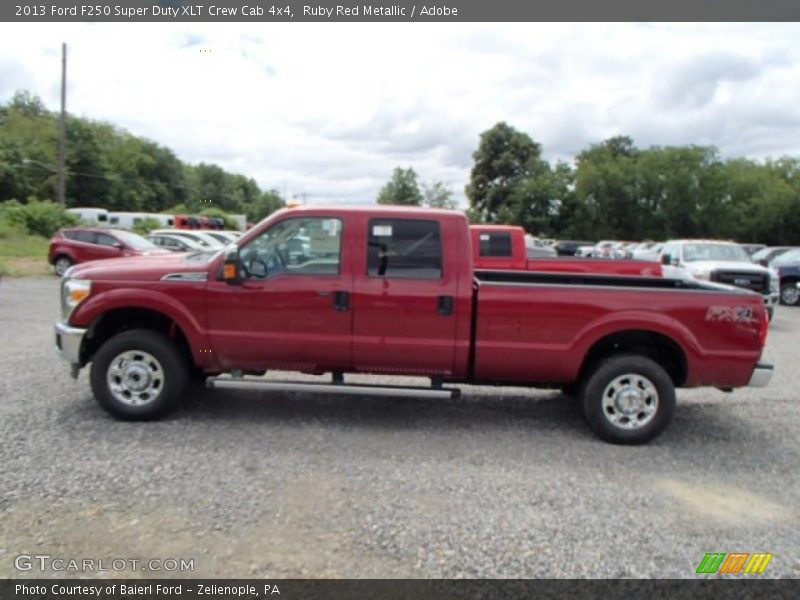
{"x":236,"y":383}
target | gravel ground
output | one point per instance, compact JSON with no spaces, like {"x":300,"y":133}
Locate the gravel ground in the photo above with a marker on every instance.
{"x":500,"y":483}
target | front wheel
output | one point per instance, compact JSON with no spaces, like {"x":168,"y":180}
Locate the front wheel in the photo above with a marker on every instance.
{"x":138,"y":375}
{"x":790,"y":295}
{"x":628,"y":399}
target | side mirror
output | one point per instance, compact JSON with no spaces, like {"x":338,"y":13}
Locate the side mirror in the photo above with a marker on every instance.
{"x":230,"y":268}
{"x":675,"y":261}
{"x":118,"y":245}
{"x":665,"y":259}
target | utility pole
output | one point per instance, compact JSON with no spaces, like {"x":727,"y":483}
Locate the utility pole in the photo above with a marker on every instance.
{"x":62,"y":132}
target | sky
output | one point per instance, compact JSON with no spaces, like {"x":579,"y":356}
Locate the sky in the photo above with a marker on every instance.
{"x":326,"y":111}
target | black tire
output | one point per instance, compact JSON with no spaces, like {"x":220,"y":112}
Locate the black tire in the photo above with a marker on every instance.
{"x":789,"y":294}
{"x":61,"y":263}
{"x":637,"y":371}
{"x":165,"y":369}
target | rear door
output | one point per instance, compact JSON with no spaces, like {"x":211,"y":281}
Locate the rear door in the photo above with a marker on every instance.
{"x":404,"y":302}
{"x":292,"y":311}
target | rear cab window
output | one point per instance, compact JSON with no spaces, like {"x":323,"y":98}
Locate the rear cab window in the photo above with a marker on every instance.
{"x":404,"y":249}
{"x":497,"y":244}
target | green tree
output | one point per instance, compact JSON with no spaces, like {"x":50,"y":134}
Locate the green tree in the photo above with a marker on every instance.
{"x":606,"y":182}
{"x":401,"y":189}
{"x":536,"y":203}
{"x":505,"y":158}
{"x":436,"y":195}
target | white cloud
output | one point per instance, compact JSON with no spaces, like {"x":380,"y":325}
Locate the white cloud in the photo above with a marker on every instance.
{"x":329,"y":110}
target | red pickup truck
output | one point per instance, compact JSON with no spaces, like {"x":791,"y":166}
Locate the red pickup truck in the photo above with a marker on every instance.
{"x":393,"y":291}
{"x":503,"y":247}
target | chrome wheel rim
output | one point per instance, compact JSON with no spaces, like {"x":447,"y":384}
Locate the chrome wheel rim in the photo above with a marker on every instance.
{"x":135,"y":378}
{"x":789,"y":294}
{"x":630,"y":401}
{"x":62,"y":264}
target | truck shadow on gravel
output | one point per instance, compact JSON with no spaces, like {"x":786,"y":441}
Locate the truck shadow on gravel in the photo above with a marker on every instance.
{"x":545,"y":412}
{"x":540,"y":414}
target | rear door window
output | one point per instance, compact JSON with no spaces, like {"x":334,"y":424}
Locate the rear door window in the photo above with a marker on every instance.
{"x":404,"y":249}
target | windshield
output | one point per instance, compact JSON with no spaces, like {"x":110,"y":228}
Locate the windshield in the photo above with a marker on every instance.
{"x":721,"y":252}
{"x":792,"y":256}
{"x":135,"y":241}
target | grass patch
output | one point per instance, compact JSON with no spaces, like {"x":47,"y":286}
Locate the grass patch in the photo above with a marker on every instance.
{"x":23,"y":254}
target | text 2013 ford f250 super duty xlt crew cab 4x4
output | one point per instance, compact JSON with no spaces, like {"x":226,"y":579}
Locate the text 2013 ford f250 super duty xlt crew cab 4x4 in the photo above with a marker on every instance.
{"x":393,"y":291}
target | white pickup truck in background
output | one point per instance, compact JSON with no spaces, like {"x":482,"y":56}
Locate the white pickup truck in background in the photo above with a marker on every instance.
{"x":720,"y":262}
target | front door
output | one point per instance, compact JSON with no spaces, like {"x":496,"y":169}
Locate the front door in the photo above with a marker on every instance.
{"x":292,"y":311}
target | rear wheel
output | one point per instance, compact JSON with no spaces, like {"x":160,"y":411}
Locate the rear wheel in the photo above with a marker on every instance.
{"x":61,"y":264}
{"x":138,"y":375}
{"x":790,"y":295}
{"x":628,"y":399}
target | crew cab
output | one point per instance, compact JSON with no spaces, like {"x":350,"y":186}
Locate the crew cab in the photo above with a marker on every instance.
{"x":503,"y":247}
{"x":722,"y":262}
{"x":389,"y":290}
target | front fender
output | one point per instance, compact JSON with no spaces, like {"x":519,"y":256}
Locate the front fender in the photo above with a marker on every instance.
{"x":97,"y":305}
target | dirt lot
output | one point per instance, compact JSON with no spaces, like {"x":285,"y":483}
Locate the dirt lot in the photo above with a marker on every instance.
{"x":500,"y":483}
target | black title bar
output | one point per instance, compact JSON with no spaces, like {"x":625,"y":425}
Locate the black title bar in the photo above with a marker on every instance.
{"x":397,"y":11}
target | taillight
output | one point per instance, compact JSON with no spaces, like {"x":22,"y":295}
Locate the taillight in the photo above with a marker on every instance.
{"x":764,"y":324}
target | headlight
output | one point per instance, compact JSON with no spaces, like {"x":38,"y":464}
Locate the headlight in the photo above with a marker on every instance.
{"x":73,"y":292}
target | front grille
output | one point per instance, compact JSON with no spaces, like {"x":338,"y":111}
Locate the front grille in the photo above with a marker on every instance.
{"x":757,"y":282}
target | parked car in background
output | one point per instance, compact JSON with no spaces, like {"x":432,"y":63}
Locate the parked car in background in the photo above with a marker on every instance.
{"x":503,"y":247}
{"x":175,"y":243}
{"x":225,"y":237}
{"x":201,"y":237}
{"x":129,"y":220}
{"x":584,"y":252}
{"x":751,"y":249}
{"x":649,"y":251}
{"x":788,"y":267}
{"x":569,"y":247}
{"x":536,"y":248}
{"x":721,"y":262}
{"x":766,"y":255}
{"x":73,"y":245}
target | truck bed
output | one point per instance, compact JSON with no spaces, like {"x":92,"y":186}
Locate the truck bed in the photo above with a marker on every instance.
{"x":531,"y":326}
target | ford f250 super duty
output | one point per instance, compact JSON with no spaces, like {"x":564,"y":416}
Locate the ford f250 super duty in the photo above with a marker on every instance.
{"x":393,"y":291}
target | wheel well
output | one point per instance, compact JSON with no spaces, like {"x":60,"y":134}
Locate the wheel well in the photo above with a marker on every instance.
{"x":656,"y":346}
{"x":789,"y":279}
{"x":124,"y":319}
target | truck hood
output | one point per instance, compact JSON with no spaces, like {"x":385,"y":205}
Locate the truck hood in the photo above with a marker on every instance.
{"x":142,"y":268}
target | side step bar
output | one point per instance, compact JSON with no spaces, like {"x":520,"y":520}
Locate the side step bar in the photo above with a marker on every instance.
{"x":238,"y":383}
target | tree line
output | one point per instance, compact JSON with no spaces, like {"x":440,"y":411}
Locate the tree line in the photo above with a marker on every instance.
{"x":110,"y":168}
{"x":615,"y":190}
{"x":612,"y":190}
